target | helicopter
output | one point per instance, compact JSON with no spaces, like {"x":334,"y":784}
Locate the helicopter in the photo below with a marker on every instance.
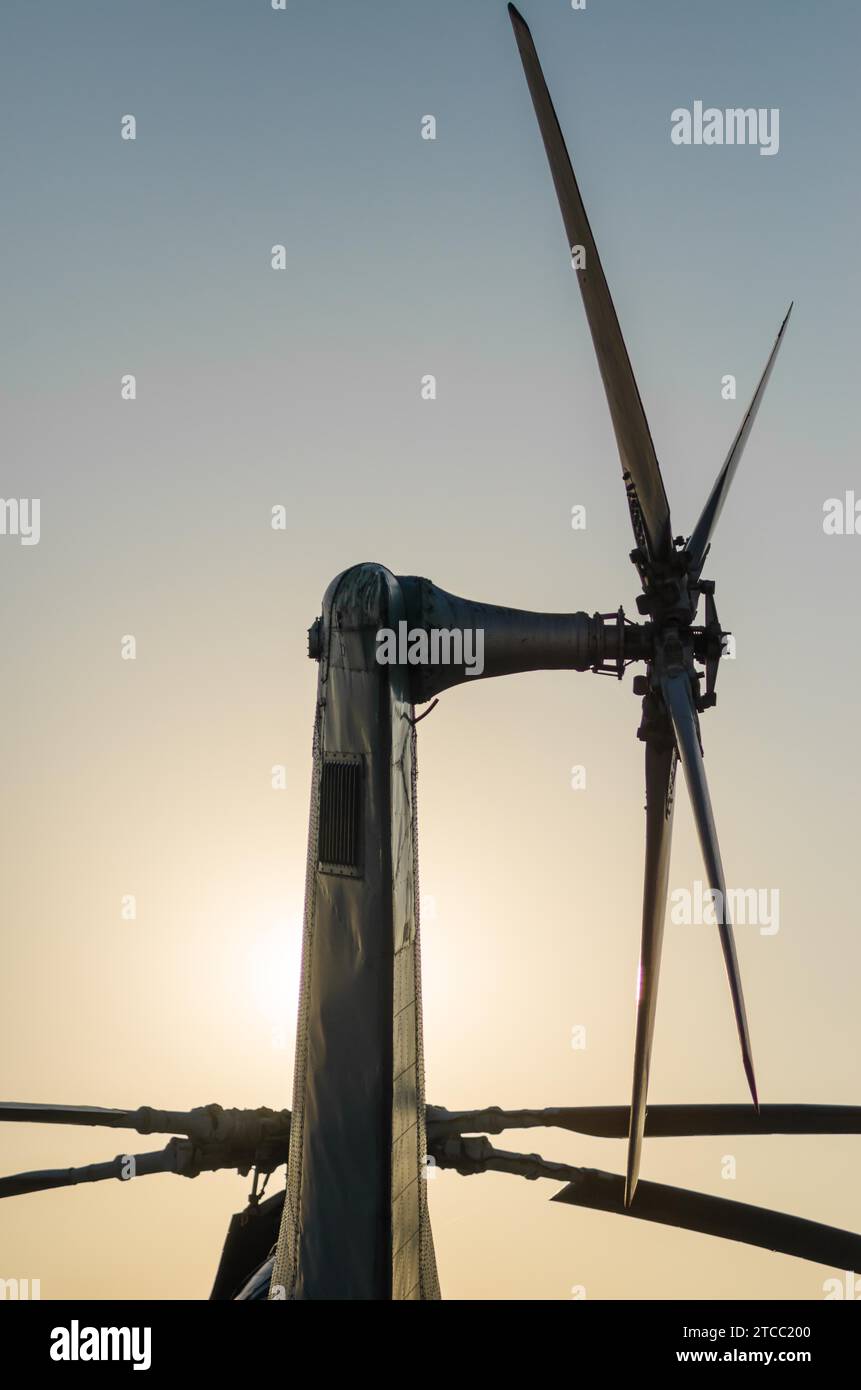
{"x":359,"y":1141}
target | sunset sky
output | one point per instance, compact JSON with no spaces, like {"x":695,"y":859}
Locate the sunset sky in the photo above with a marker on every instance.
{"x":256,"y":388}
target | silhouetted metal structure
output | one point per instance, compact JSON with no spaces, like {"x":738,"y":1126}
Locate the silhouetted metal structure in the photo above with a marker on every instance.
{"x":670,"y":570}
{"x":353,"y":1221}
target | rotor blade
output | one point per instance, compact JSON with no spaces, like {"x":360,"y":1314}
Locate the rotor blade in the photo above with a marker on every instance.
{"x":647,"y":499}
{"x":679,"y":699}
{"x":28,"y":1113}
{"x":662,"y":1121}
{"x":699,"y":541}
{"x":660,"y":781}
{"x":205,"y":1124}
{"x":718,"y":1216}
{"x":669,"y":1206}
{"x":162,"y":1161}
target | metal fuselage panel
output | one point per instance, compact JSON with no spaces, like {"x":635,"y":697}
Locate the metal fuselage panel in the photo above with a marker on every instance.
{"x":355,"y":1220}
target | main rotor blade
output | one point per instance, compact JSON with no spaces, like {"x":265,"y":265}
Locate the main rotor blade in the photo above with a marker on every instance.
{"x":206,"y":1124}
{"x":662,"y":1121}
{"x":718,"y":1216}
{"x":670,"y":1206}
{"x":24,"y":1112}
{"x":162,"y":1161}
{"x":660,"y":780}
{"x":647,"y":499}
{"x":700,"y":539}
{"x":679,"y":699}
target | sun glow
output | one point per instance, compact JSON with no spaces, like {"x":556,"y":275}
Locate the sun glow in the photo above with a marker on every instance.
{"x":275,"y":971}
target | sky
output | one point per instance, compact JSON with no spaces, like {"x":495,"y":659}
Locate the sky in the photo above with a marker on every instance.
{"x":152,"y":778}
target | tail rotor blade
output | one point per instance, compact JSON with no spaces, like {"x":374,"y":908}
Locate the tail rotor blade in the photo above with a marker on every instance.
{"x":702,"y":533}
{"x":679,"y":699}
{"x":660,"y":777}
{"x":647,"y":499}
